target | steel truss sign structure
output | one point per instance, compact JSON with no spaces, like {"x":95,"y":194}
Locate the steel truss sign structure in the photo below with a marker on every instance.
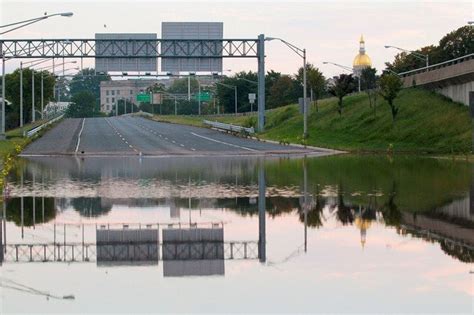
{"x":123,"y":48}
{"x":137,"y":48}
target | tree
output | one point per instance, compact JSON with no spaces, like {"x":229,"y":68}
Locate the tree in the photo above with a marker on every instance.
{"x":12,"y":91}
{"x":283,"y":92}
{"x":390,"y":85}
{"x":83,"y":105}
{"x":368,"y":81}
{"x":180,"y":86}
{"x":455,"y":44}
{"x":343,"y":85}
{"x":88,"y":80}
{"x":315,"y":81}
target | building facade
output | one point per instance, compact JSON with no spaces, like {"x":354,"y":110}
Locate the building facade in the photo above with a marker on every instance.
{"x":112,"y":92}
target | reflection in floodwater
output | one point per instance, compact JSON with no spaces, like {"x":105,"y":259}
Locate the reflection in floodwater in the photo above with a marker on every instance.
{"x":427,"y":198}
{"x":193,"y":252}
{"x":127,"y":246}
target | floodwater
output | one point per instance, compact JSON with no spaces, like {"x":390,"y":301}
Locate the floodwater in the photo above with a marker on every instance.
{"x":345,"y":234}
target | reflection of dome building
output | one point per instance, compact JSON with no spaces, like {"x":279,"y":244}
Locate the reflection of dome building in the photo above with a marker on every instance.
{"x":363,"y":226}
{"x":362,"y":60}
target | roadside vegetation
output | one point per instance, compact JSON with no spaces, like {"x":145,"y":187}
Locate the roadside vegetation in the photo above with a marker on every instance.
{"x":426,"y":123}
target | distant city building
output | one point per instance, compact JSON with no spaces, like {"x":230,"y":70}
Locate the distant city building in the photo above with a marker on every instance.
{"x":113,"y":91}
{"x":362,"y":60}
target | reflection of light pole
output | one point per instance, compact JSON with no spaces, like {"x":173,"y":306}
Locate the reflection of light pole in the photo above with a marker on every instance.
{"x":305,"y":204}
{"x":414,"y":53}
{"x":345,"y":68}
{"x":262,"y":256}
{"x":302,"y":53}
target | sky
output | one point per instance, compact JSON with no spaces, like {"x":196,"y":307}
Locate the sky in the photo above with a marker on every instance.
{"x":329,"y":30}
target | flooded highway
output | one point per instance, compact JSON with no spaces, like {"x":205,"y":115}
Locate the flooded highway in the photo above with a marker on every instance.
{"x":241,"y":234}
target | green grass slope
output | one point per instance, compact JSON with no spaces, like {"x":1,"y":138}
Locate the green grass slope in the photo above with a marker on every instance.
{"x":427,"y":122}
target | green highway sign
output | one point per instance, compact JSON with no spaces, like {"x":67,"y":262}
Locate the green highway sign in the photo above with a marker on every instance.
{"x":203,"y":96}
{"x":143,"y":98}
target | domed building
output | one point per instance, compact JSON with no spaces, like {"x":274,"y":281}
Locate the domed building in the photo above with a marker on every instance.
{"x":362,"y":60}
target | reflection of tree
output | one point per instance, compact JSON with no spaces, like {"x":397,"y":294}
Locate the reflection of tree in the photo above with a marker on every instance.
{"x":455,"y":250}
{"x":278,"y":205}
{"x":90,"y":207}
{"x":391,"y":214}
{"x":14,"y":210}
{"x":344,"y":213}
{"x":315,"y":214}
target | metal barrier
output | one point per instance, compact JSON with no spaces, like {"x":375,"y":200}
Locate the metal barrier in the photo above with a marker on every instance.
{"x":35,"y":130}
{"x":228,"y":127}
{"x":437,"y":65}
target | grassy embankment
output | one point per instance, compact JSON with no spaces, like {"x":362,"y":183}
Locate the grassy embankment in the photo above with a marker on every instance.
{"x":426,"y":123}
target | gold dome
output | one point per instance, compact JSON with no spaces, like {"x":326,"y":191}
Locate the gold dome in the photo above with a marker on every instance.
{"x":362,"y":60}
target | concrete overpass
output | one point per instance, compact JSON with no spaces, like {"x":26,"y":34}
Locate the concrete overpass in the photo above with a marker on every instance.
{"x":453,"y":78}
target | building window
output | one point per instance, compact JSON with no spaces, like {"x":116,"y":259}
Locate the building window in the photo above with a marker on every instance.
{"x":108,"y":107}
{"x":107,"y":92}
{"x":113,"y":99}
{"x":107,"y":99}
{"x":118,"y":92}
{"x":131,"y":92}
{"x":113,"y":92}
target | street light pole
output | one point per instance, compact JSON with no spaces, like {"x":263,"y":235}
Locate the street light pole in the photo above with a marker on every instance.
{"x":302,"y":53}
{"x":2,"y":135}
{"x":21,"y":94}
{"x":414,"y":53}
{"x":305,"y":106}
{"x":33,"y":95}
{"x":42,"y":96}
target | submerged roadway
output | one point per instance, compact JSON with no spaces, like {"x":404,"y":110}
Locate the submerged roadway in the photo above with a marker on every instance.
{"x":130,"y":135}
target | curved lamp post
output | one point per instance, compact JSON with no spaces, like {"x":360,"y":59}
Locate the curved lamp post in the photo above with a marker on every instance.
{"x":302,"y":53}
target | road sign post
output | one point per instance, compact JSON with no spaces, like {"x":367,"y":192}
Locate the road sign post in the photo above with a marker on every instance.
{"x":252,"y":97}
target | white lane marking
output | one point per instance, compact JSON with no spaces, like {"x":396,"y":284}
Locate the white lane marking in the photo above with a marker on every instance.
{"x":222,"y":142}
{"x":182,"y":145}
{"x":123,"y":138}
{"x":193,"y":149}
{"x":173,"y":141}
{"x":79,"y":135}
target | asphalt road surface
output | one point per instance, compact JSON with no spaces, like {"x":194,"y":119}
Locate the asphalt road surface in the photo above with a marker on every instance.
{"x":127,"y":135}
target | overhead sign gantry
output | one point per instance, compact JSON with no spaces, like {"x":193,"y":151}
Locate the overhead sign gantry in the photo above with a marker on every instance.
{"x":120,"y":48}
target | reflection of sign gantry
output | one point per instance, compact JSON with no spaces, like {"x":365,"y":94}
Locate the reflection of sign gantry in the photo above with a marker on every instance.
{"x":78,"y":252}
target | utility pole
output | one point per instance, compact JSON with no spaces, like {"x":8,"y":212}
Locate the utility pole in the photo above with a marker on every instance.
{"x":21,"y":94}
{"x":261,"y":82}
{"x":305,"y":103}
{"x":235,"y":98}
{"x":33,"y":95}
{"x":42,"y":95}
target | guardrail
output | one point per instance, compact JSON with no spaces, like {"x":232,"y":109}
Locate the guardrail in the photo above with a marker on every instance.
{"x":228,"y":127}
{"x":35,"y":130}
{"x":437,"y":65}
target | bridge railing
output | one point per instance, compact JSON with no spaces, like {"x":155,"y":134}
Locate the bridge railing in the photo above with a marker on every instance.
{"x":228,"y":127}
{"x":437,"y":65}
